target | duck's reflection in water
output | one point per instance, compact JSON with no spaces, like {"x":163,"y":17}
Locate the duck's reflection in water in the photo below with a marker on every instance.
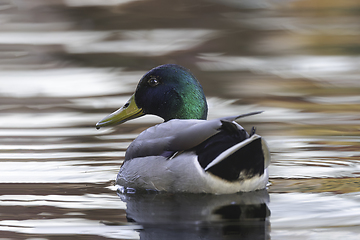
{"x":199,"y":216}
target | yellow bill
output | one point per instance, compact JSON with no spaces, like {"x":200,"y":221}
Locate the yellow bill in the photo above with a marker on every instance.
{"x":127,"y":112}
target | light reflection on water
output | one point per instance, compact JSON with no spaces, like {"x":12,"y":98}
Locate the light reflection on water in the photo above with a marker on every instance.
{"x":64,"y":66}
{"x":331,"y":216}
{"x":69,"y":83}
{"x":71,"y":226}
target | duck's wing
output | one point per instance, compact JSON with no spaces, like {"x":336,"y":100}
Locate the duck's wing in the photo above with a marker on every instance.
{"x":155,"y":140}
{"x":196,"y":134}
{"x":179,"y":135}
{"x":172,"y":136}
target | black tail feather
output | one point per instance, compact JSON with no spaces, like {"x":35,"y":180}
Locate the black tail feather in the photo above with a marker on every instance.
{"x":208,"y":150}
{"x":245,"y":163}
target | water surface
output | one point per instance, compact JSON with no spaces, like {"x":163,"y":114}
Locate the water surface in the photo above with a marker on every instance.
{"x":64,"y":65}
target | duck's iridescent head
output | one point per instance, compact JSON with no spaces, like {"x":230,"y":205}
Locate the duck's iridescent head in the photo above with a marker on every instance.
{"x":169,"y":91}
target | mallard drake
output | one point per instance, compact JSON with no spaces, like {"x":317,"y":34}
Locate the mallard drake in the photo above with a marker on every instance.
{"x":187,"y":153}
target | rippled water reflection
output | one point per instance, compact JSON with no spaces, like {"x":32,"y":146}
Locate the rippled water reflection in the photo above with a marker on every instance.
{"x":66,"y":64}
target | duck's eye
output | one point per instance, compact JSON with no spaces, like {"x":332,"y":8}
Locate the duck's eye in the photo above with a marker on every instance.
{"x":153,"y":82}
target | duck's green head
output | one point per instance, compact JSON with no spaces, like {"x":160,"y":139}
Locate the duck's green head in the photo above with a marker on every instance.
{"x":169,"y":91}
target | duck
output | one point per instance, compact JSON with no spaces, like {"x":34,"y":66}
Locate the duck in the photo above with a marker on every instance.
{"x":187,"y":153}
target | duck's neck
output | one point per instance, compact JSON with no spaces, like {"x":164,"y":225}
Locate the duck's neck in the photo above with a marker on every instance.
{"x":186,"y":106}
